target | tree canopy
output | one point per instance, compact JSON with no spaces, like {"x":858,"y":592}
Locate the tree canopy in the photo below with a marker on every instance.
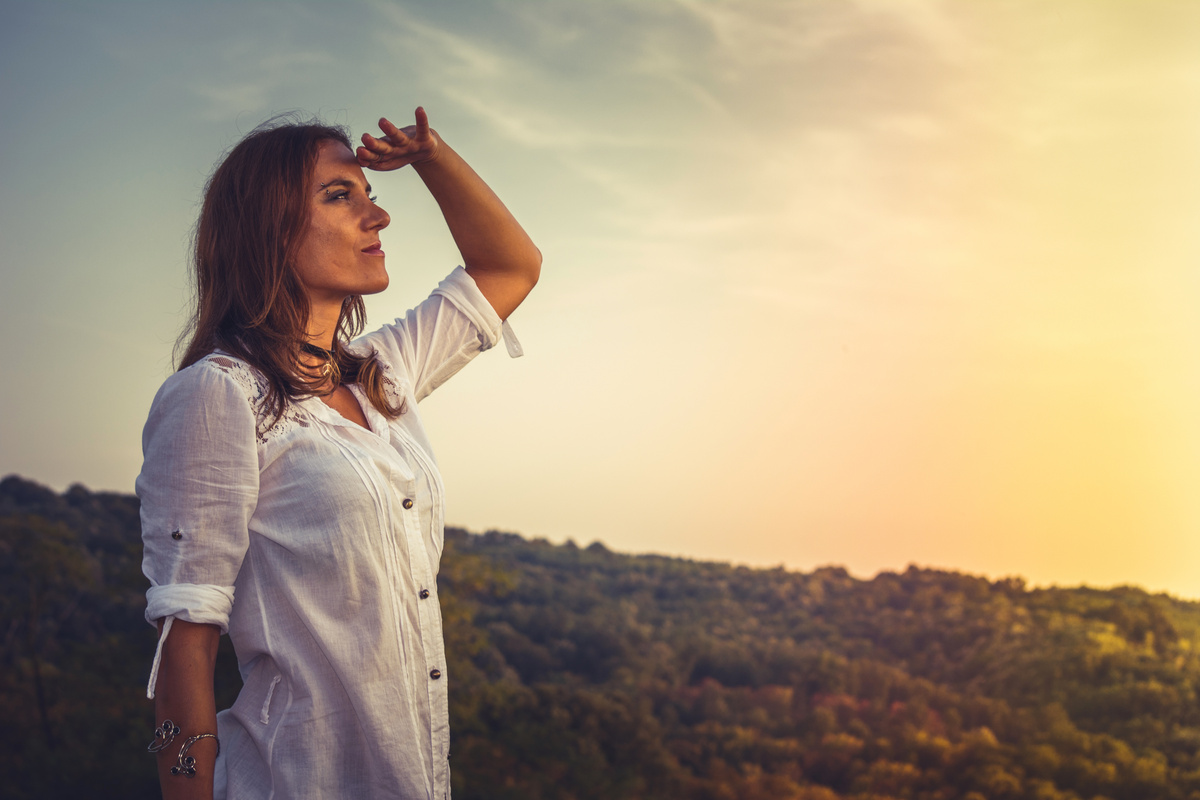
{"x":582,"y":673}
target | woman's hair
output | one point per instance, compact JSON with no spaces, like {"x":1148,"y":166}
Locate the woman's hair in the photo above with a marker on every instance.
{"x":249,"y":300}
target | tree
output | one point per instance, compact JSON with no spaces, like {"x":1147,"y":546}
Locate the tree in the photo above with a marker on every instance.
{"x":48,"y":574}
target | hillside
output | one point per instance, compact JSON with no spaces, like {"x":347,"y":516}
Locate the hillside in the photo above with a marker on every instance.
{"x":583,"y":673}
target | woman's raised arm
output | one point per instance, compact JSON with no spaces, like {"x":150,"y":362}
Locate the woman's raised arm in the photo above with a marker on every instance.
{"x":496,"y":251}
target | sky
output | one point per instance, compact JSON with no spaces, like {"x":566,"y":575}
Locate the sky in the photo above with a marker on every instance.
{"x":858,"y":283}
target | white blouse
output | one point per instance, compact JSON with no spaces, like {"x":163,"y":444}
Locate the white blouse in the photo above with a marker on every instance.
{"x":315,"y":544}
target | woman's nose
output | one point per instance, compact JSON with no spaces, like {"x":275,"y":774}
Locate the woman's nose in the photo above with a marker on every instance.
{"x":380,"y":219}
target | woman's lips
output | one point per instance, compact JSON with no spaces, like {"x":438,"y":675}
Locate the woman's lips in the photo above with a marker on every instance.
{"x":373,"y":250}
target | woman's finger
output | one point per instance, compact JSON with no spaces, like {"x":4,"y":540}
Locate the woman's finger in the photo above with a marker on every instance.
{"x":378,"y":147}
{"x":375,"y":143}
{"x":395,"y":134}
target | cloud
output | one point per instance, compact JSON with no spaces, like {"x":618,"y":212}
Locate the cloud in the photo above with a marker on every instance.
{"x":757,"y":34}
{"x":461,"y":56}
{"x":225,"y":97}
{"x":534,"y":127}
{"x":222,"y":100}
{"x":674,"y":70}
{"x":517,"y":93}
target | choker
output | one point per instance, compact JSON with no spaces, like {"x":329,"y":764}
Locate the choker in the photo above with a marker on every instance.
{"x":330,"y":365}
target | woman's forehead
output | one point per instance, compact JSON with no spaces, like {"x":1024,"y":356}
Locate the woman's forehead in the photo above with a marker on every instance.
{"x":334,"y":158}
{"x":335,"y":162}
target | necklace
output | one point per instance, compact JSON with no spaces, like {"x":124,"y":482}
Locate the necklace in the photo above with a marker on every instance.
{"x":330,"y":364}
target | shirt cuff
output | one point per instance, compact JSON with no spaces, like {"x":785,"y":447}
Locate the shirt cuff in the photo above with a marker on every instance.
{"x":203,"y":604}
{"x":460,"y":289}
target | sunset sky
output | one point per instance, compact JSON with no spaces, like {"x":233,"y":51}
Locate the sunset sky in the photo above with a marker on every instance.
{"x":856,"y":283}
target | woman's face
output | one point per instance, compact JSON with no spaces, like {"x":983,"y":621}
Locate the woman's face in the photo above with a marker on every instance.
{"x":340,"y":253}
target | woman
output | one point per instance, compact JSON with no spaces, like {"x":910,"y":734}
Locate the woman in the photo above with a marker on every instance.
{"x":289,"y":495}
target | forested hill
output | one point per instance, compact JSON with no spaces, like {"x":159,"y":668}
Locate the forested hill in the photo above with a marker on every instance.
{"x":583,"y":673}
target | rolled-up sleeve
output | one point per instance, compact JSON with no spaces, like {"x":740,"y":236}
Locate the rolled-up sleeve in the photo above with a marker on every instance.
{"x":198,"y":489}
{"x":440,"y":336}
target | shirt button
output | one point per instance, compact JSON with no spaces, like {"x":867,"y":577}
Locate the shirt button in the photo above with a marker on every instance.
{"x":176,"y":535}
{"x":407,"y":503}
{"x":435,"y":673}
{"x":423,"y":594}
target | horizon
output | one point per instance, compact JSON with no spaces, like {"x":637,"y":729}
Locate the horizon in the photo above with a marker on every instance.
{"x":570,"y":543}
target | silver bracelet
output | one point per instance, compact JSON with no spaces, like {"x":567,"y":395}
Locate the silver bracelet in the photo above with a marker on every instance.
{"x":187,"y":764}
{"x":165,"y":734}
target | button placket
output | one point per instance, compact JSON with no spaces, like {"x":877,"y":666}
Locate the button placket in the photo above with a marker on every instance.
{"x":429,"y":616}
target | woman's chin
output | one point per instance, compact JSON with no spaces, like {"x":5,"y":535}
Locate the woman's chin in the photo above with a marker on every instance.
{"x":377,"y":286}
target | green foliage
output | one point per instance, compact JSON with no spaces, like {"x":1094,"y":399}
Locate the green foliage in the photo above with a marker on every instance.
{"x":767,"y":683}
{"x":582,"y":673}
{"x":73,"y":656}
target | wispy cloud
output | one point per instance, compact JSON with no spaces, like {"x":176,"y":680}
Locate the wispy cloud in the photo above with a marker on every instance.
{"x":533,"y":127}
{"x":461,"y":56}
{"x":515,"y":94}
{"x":755,"y":34}
{"x":270,"y":71}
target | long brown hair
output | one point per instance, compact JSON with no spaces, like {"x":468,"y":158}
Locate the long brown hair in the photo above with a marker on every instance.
{"x":249,"y":301}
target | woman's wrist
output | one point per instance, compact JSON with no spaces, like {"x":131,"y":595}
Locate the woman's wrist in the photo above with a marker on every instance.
{"x":435,"y":155}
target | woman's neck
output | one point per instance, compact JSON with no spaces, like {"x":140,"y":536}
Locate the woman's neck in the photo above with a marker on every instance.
{"x":318,"y":355}
{"x":322,"y":323}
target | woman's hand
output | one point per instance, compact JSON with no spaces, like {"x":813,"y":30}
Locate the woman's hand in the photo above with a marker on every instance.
{"x":497,"y":253}
{"x":414,"y":144}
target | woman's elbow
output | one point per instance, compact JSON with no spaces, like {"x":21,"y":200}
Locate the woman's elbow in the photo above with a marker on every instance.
{"x":533,"y":269}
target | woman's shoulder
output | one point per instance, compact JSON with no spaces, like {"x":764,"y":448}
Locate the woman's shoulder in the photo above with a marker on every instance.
{"x":236,"y":381}
{"x":216,"y":371}
{"x":216,"y":386}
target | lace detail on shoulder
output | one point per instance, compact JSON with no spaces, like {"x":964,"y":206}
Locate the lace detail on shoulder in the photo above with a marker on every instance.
{"x":254,"y":386}
{"x":395,"y":394}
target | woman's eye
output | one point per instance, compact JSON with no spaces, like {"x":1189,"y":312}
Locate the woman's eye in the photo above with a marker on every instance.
{"x":345,"y":194}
